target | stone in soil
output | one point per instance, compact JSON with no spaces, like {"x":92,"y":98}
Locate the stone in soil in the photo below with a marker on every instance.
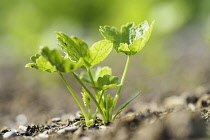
{"x":9,"y":134}
{"x":43,"y":136}
{"x":57,"y":119}
{"x":67,"y":129}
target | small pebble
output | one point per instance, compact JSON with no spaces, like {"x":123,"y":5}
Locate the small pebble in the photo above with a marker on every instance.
{"x":56,"y":119}
{"x":45,"y":132}
{"x":9,"y":134}
{"x":85,"y":138}
{"x":67,"y":129}
{"x":103,"y":127}
{"x":174,"y":101}
{"x":23,"y":128}
{"x":43,"y":136}
{"x":61,"y":131}
{"x":71,"y":129}
{"x":192,"y":107}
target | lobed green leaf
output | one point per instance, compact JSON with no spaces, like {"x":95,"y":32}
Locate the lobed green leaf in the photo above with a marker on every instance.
{"x":130,"y":39}
{"x":96,"y":73}
{"x":104,"y":71}
{"x":112,"y":34}
{"x":72,"y":46}
{"x":40,"y":63}
{"x":77,"y":49}
{"x":107,"y":82}
{"x":102,"y":77}
{"x":62,"y":64}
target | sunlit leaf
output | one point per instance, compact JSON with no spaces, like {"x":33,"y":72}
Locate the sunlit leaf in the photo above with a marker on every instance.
{"x":96,"y":73}
{"x":112,"y":34}
{"x":104,"y":71}
{"x":62,"y":64}
{"x":72,"y":46}
{"x":107,"y":82}
{"x":98,"y":52}
{"x":130,"y":39}
{"x":40,"y":63}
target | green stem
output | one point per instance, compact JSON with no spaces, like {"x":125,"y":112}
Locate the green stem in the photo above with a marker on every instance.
{"x":102,"y":93}
{"x":75,"y":97}
{"x":92,"y":81}
{"x":90,"y":94}
{"x":122,"y":82}
{"x":90,"y":111}
{"x":99,"y":103}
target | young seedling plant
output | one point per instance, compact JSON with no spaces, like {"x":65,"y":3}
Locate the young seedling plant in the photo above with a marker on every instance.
{"x":129,"y":40}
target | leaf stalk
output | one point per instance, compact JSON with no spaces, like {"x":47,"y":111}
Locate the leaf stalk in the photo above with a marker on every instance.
{"x":75,"y":97}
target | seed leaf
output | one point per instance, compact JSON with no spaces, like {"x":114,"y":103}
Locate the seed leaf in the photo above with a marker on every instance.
{"x":62,"y":64}
{"x":122,"y":107}
{"x":130,"y":39}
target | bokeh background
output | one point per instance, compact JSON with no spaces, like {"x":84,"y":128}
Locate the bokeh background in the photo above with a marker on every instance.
{"x":175,"y":60}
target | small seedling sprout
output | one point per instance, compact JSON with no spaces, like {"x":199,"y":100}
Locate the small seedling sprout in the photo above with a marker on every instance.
{"x":129,"y":40}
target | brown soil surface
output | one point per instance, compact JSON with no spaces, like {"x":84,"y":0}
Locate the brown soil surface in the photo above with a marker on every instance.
{"x":184,"y":117}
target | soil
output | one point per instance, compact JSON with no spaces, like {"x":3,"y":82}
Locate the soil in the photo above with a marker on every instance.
{"x":183,"y":117}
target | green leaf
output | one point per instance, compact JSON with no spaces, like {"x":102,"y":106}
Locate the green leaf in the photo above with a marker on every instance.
{"x":112,"y":34}
{"x":122,"y":107}
{"x":96,"y":73}
{"x":128,"y":33}
{"x":40,"y":63}
{"x":72,"y":46}
{"x":102,"y":77}
{"x":98,"y":52}
{"x":130,"y":39}
{"x":110,"y":86}
{"x":142,"y":40}
{"x":104,"y":71}
{"x":107,"y":82}
{"x":85,"y":97}
{"x":62,"y":64}
{"x":85,"y":77}
{"x":35,"y":57}
{"x":109,"y":102}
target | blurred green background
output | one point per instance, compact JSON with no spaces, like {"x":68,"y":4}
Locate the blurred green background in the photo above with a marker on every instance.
{"x":176,"y":58}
